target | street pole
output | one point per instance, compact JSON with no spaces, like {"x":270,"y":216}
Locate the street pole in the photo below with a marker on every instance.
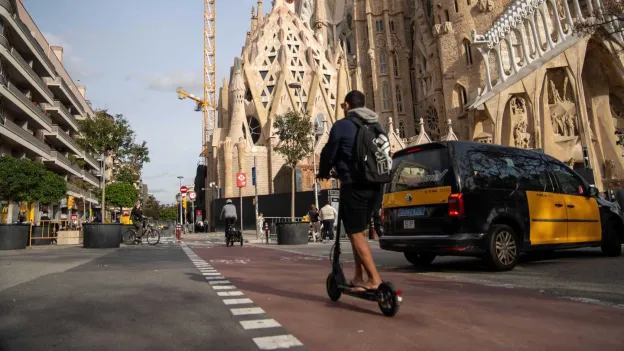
{"x":193,"y":216}
{"x":103,"y":187}
{"x":256,"y":198}
{"x":240,"y":196}
{"x":181,"y":200}
{"x":184,"y":224}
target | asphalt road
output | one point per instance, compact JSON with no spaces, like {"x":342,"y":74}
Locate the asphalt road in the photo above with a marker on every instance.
{"x":582,"y":275}
{"x":133,"y":298}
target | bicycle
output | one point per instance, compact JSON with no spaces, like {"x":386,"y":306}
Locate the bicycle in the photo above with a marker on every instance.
{"x":152,"y":234}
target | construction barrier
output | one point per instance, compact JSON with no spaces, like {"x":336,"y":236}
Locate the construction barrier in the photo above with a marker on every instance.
{"x":61,"y":232}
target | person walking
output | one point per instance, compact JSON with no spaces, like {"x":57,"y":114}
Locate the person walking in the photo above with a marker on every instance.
{"x":328,"y":217}
{"x":359,"y":151}
{"x":315,"y":224}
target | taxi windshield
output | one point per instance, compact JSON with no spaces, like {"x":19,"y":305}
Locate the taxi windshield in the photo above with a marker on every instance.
{"x":421,"y":169}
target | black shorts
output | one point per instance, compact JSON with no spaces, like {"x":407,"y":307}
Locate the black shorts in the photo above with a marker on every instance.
{"x":357,"y":203}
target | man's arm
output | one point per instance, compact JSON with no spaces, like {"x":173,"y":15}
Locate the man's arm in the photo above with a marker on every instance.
{"x":328,"y":155}
{"x":222,"y":212}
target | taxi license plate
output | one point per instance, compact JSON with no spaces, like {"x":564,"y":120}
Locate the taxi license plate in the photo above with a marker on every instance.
{"x":408,"y":224}
{"x":411,"y":212}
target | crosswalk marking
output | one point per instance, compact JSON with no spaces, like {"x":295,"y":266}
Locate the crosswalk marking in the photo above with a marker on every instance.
{"x":237,"y":301}
{"x":246,"y":311}
{"x":277,"y":342}
{"x":215,"y":282}
{"x":260,"y":324}
{"x":230,"y":293}
{"x":214,"y":278}
{"x":224,"y":287}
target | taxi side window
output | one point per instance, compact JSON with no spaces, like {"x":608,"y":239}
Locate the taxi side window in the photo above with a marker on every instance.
{"x":568,"y":183}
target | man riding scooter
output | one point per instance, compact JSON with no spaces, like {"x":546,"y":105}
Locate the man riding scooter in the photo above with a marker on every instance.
{"x":228,"y":213}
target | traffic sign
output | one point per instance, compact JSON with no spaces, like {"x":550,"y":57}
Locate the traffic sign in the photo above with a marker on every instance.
{"x":241,"y":180}
{"x":253,"y":176}
{"x":183,"y":189}
{"x":192,"y":195}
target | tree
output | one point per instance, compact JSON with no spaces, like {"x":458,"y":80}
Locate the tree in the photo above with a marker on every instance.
{"x":295,"y":142}
{"x":126,"y":175}
{"x":604,"y":24}
{"x":105,"y":135}
{"x":151,"y":207}
{"x":121,"y":195}
{"x":168,"y":213}
{"x":134,"y":157}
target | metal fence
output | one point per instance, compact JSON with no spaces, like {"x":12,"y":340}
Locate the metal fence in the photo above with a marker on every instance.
{"x":62,"y":232}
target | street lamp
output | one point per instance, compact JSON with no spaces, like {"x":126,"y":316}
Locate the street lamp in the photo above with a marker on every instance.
{"x":297,"y":86}
{"x":181,"y":215}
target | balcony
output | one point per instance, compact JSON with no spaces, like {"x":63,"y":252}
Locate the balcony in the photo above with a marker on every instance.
{"x":60,"y":138}
{"x":22,"y":105}
{"x":11,"y":133}
{"x":75,"y":191}
{"x":91,"y":161}
{"x":30,"y":75}
{"x":62,"y":114}
{"x":62,"y":90}
{"x":6,"y":11}
{"x":90,"y":178}
{"x":61,"y":163}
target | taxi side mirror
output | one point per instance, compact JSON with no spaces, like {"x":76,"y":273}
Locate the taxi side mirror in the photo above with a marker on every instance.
{"x":593,"y":191}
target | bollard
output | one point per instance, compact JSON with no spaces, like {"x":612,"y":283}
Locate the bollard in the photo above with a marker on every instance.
{"x":178,"y":231}
{"x":266,"y":231}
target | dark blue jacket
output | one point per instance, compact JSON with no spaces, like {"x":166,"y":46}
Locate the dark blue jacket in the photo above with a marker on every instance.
{"x":338,"y":151}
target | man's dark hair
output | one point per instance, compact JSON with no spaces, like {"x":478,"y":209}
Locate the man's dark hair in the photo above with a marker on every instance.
{"x":355,"y":99}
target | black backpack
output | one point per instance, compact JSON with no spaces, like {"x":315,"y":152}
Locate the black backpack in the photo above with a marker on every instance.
{"x":371,"y":153}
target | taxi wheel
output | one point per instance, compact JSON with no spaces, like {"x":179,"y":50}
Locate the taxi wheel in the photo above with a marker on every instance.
{"x":611,"y":243}
{"x":503,"y":248}
{"x":419,"y":258}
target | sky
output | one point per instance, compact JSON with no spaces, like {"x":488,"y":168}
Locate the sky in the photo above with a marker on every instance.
{"x":132,"y":55}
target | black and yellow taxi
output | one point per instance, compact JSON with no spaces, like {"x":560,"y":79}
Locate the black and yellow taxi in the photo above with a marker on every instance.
{"x":483,"y":200}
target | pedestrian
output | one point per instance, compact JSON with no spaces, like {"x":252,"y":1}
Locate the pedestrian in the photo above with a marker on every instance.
{"x":328,"y":216}
{"x":315,"y":224}
{"x":357,"y":171}
{"x":260,"y":222}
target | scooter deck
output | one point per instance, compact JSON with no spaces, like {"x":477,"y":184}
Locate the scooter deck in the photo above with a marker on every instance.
{"x":372,"y":295}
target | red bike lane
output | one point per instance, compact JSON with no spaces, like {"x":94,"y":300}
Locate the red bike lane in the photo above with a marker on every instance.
{"x":436,"y":314}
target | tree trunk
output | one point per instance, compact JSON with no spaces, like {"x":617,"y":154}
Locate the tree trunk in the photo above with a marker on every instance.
{"x":292,"y":194}
{"x":103,"y":205}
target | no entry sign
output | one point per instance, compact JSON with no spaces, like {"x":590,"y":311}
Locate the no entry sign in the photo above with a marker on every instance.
{"x":241,"y":180}
{"x":183,"y":189}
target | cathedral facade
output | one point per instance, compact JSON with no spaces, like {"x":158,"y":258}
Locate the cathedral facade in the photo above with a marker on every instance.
{"x":493,"y":71}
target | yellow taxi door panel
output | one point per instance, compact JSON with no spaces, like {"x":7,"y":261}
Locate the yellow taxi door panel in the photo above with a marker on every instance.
{"x":548,"y":218}
{"x":583,"y":219}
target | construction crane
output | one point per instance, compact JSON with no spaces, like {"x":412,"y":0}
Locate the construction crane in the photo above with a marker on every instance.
{"x":209,"y":103}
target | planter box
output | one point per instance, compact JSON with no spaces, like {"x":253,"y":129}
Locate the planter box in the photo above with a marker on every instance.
{"x":292,"y":233}
{"x":101,"y":236}
{"x":14,"y":236}
{"x":70,"y":237}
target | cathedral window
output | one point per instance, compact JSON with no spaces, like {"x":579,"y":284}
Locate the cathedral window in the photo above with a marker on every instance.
{"x":395,"y":63}
{"x":402,"y":130}
{"x":399,"y":98}
{"x":392,"y":26}
{"x":467,"y":52}
{"x":456,"y":6}
{"x":383,"y":62}
{"x":448,"y":17}
{"x":386,"y":97}
{"x":433,"y":125}
{"x":379,"y":26}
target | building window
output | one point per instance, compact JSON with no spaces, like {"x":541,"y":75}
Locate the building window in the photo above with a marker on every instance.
{"x":402,"y":130}
{"x":395,"y":62}
{"x":386,"y":97}
{"x":383,"y":62}
{"x":399,"y":98}
{"x":392,"y":26}
{"x":448,"y":17}
{"x":468,"y":2}
{"x":467,"y":52}
{"x":456,"y":6}
{"x":379,"y":26}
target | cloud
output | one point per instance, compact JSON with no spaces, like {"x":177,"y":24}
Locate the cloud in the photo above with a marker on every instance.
{"x":159,"y":191}
{"x":168,"y":82}
{"x":77,"y":67}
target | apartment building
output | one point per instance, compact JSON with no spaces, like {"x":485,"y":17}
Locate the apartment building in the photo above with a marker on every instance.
{"x":40,"y":106}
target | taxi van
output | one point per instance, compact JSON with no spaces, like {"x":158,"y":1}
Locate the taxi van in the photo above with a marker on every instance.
{"x":474,"y":199}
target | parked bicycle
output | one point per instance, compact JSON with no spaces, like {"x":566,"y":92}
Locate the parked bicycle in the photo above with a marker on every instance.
{"x":152,"y":234}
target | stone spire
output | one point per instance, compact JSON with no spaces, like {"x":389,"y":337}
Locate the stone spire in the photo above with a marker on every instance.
{"x":283,"y":3}
{"x":320,"y":22}
{"x":254,"y":19}
{"x":260,"y":13}
{"x":237,"y":91}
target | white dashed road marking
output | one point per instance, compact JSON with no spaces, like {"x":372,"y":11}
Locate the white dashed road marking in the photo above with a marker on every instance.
{"x":246,"y":311}
{"x":260,"y":324}
{"x":223,"y":286}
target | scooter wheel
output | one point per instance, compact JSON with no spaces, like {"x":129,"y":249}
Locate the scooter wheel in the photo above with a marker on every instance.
{"x":332,"y":288}
{"x":389,"y":300}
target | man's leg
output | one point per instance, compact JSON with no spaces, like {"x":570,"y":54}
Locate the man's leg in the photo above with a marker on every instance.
{"x":360,"y":245}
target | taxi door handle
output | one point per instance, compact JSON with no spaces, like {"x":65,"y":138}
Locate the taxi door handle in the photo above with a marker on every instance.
{"x":570,"y":206}
{"x":558,"y":205}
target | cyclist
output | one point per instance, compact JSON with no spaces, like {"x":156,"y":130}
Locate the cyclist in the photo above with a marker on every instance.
{"x":228,"y":213}
{"x":136,"y":215}
{"x":358,"y":198}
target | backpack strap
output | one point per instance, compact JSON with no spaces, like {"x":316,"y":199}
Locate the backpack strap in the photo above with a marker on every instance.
{"x":356,"y":121}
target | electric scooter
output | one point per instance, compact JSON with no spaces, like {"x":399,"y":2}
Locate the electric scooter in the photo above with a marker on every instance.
{"x":387,"y":296}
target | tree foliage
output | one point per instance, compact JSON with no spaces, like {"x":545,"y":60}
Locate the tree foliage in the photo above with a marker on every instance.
{"x":151,"y":207}
{"x":126,"y":175}
{"x":295,"y":137}
{"x":134,"y":157}
{"x":105,"y":134}
{"x":121,"y":195}
{"x":168,"y":213}
{"x":25,"y":180}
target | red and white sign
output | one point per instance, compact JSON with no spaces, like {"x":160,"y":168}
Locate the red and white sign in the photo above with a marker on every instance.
{"x":183,"y":189}
{"x":198,"y":213}
{"x":241,"y":180}
{"x":192,"y":195}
